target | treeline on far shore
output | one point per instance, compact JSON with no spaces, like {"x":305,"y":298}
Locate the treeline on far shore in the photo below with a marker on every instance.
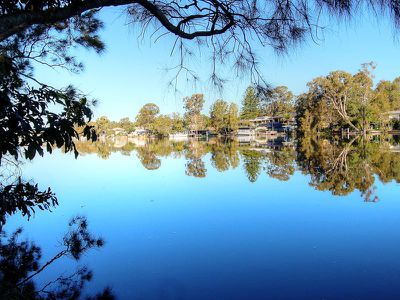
{"x":333,"y":103}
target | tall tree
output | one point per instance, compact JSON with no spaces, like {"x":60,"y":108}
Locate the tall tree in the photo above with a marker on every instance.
{"x":102,"y":125}
{"x":233,"y":117}
{"x":279,"y":102}
{"x":193,"y":106}
{"x":363,"y":94}
{"x":219,"y":116}
{"x":342,"y":100}
{"x":224,"y":117}
{"x":126,"y":124}
{"x":178,"y":124}
{"x":147,"y":115}
{"x":251,"y":104}
{"x":162,"y":125}
{"x":386,"y":98}
{"x":336,"y":89}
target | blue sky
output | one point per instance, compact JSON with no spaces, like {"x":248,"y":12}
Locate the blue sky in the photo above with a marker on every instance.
{"x":131,"y":72}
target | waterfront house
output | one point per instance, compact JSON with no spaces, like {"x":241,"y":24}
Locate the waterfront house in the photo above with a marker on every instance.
{"x":140,"y":131}
{"x":278,"y":123}
{"x":393,"y":115}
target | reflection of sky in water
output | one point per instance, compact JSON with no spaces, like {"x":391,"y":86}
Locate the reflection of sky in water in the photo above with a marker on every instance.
{"x":171,"y":236}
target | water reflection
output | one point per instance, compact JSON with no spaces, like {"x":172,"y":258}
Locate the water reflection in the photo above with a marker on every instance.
{"x":20,"y":264}
{"x":335,"y":165}
{"x":344,"y":166}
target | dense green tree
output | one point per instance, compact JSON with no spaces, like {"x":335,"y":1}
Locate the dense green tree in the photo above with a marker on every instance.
{"x":102,"y":125}
{"x":162,"y":125}
{"x":233,"y":117}
{"x":224,"y":117}
{"x":24,"y":197}
{"x":178,"y":124}
{"x":336,"y":90}
{"x":279,"y":102}
{"x":386,"y":98}
{"x":33,"y":113}
{"x":27,"y":122}
{"x":193,"y":106}
{"x":218,"y":115}
{"x":342,"y":100}
{"x":363,"y":97}
{"x":147,"y":115}
{"x":126,"y":124}
{"x":251,"y":104}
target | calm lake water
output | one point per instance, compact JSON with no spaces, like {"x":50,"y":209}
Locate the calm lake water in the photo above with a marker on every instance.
{"x":227,"y":220}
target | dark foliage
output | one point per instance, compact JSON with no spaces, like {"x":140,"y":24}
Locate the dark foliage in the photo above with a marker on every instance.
{"x":35,"y":117}
{"x":230,"y":28}
{"x":26,"y":123}
{"x":24,"y":197}
{"x":20,"y":263}
{"x":34,"y":114}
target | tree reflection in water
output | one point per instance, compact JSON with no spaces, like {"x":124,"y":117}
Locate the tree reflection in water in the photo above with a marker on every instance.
{"x":344,"y":166}
{"x":333,"y":164}
{"x":252,"y":163}
{"x":20,"y":264}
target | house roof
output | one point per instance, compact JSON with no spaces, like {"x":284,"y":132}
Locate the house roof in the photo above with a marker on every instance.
{"x":261,"y":118}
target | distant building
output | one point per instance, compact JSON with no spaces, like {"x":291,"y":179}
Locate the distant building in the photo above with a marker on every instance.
{"x":245,"y":131}
{"x":140,"y":131}
{"x":279,"y":123}
{"x":264,"y":120}
{"x":118,"y":131}
{"x":393,"y":115}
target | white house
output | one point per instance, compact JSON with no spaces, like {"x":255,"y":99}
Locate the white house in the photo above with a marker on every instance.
{"x":393,"y":115}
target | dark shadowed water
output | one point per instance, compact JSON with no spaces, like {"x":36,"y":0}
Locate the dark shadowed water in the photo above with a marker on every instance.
{"x":313,"y":219}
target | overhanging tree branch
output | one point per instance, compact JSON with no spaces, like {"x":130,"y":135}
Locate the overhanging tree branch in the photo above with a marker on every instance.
{"x":14,"y":23}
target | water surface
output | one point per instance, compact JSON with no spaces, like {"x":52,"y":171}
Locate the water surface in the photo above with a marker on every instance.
{"x":228,"y":220}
